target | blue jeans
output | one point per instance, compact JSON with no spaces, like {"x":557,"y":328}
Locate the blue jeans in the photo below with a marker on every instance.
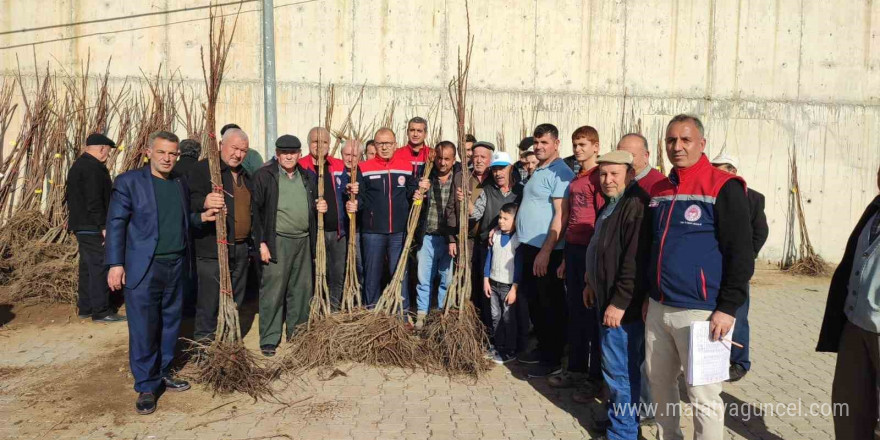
{"x":584,"y":354}
{"x":153,"y":310}
{"x":741,"y":334}
{"x":623,"y":350}
{"x":433,"y":258}
{"x":376,"y":248}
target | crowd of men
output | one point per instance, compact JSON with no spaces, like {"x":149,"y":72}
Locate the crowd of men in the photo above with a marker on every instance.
{"x":602,"y":258}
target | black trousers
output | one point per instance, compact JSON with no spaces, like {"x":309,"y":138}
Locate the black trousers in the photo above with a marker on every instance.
{"x":547,"y":304}
{"x":94,"y":294}
{"x":479,"y":252}
{"x":208,"y":303}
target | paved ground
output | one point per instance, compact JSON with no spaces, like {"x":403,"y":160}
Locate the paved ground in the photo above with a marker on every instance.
{"x":65,"y":378}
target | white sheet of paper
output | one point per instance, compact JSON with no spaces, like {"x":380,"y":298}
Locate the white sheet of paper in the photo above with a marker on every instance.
{"x":708,"y":361}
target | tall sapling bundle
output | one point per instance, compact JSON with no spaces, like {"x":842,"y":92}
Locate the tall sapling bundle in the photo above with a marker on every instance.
{"x":804,"y":260}
{"x":455,"y":335}
{"x":320,"y":303}
{"x":226,"y":364}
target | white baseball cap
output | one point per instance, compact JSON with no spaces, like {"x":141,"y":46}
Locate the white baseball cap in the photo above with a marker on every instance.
{"x":725,"y":159}
{"x":500,"y":159}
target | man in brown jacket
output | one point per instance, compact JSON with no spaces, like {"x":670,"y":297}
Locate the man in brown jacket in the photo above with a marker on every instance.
{"x":617,"y":260}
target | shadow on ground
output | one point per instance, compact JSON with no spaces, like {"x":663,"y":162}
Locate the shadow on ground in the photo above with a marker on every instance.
{"x":6,"y":315}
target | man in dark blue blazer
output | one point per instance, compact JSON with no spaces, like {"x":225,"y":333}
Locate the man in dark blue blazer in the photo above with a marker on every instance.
{"x":146,"y":248}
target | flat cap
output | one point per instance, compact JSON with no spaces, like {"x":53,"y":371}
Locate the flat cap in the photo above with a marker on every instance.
{"x":616,"y":156}
{"x":484,"y":144}
{"x":725,"y":159}
{"x":99,"y":139}
{"x":288,"y":142}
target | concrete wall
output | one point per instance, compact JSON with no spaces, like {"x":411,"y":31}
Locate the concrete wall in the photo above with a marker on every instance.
{"x":768,"y":77}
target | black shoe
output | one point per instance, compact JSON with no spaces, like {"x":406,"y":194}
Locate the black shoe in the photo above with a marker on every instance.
{"x":176,"y":385}
{"x":737,"y":372}
{"x":529,"y":357}
{"x":544,"y":370}
{"x":268,"y":350}
{"x":600,"y":426}
{"x":146,"y":403}
{"x":113,"y":317}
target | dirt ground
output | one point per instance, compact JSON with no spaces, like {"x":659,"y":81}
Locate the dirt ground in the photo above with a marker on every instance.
{"x":62,"y":377}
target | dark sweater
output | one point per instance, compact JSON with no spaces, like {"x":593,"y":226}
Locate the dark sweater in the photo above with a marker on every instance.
{"x":87,"y":194}
{"x":183,"y":166}
{"x":170,"y":244}
{"x":760,"y":230}
{"x":199,"y":181}
{"x":495,"y":199}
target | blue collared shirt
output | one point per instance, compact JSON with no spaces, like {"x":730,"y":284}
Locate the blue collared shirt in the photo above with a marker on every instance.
{"x":536,"y":209}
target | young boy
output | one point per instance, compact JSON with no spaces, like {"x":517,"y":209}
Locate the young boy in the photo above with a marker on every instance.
{"x":502,"y":272}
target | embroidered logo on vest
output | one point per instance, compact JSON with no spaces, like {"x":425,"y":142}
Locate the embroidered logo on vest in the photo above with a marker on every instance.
{"x":693,"y":213}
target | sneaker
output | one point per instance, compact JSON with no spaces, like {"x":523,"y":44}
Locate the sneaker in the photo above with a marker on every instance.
{"x":420,"y":320}
{"x":601,"y":426}
{"x":146,"y":403}
{"x":496,"y":357}
{"x":544,"y":370}
{"x":268,"y":350}
{"x":113,"y":317}
{"x":528,"y":357}
{"x":737,"y":372}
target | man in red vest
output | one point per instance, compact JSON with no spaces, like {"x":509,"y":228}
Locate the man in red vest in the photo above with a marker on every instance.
{"x":386,"y":188}
{"x":335,"y":220}
{"x":701,"y":263}
{"x":415,"y":151}
{"x":637,"y":145}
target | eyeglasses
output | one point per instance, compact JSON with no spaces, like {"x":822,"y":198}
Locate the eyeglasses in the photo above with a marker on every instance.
{"x":383,"y":144}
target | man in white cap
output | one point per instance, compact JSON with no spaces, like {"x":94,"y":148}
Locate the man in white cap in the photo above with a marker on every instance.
{"x":739,"y":357}
{"x":484,"y":214}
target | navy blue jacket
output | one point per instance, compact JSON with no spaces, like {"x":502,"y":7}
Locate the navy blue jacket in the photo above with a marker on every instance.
{"x":133,"y":224}
{"x":385,"y":195}
{"x":702,"y":255}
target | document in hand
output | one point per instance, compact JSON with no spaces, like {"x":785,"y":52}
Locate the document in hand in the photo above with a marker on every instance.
{"x":708,"y":361}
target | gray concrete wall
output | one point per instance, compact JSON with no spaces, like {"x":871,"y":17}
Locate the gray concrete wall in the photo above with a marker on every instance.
{"x":766,"y":76}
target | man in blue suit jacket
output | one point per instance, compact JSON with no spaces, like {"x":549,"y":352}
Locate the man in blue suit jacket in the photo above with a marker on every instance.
{"x":146,"y":248}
